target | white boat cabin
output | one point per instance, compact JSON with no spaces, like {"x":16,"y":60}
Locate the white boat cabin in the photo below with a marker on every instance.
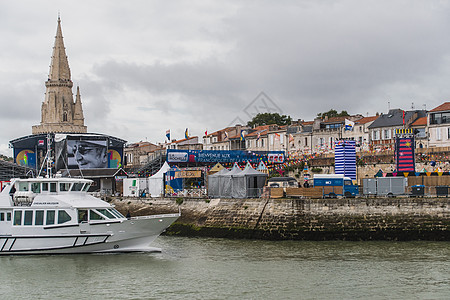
{"x":43,"y":202}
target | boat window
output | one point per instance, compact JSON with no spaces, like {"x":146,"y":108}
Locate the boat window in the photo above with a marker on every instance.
{"x":82,"y":215}
{"x":52,"y":187}
{"x":2,"y":216}
{"x":50,"y":217}
{"x":39,"y":217}
{"x":18,"y":217}
{"x":64,"y":187}
{"x":45,"y":186}
{"x":86,"y":187}
{"x":36,"y":187}
{"x":77,"y":186}
{"x":63,"y":217}
{"x":94,"y":216}
{"x":8,"y":216}
{"x":23,"y":186}
{"x":116,"y":212}
{"x":28,"y":218}
{"x":106,"y":213}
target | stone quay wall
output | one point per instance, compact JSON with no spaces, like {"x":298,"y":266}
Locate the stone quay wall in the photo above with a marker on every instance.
{"x":302,"y":219}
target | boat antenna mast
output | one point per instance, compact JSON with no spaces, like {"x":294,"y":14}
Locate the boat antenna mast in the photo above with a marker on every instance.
{"x":48,"y":159}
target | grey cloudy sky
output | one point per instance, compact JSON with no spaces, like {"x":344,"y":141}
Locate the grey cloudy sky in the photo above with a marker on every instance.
{"x":147,"y":66}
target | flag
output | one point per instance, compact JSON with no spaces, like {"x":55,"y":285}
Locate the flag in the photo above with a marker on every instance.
{"x":168,"y":134}
{"x":242,"y":136}
{"x":291,"y":138}
{"x":403,"y":117}
{"x":226,"y":134}
{"x":206,"y":131}
{"x":259,"y":136}
{"x":349,"y":124}
{"x":186,"y":134}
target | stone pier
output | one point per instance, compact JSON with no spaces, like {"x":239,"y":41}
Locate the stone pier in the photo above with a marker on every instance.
{"x":303,"y":219}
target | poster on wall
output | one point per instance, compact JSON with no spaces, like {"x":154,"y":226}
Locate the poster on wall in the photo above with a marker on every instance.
{"x":26,"y":158}
{"x":87,"y":154}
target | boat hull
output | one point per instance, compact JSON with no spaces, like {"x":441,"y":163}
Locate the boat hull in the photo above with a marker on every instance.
{"x":131,"y":235}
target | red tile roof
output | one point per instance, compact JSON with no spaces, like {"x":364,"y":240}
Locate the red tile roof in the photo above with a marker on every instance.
{"x":183,"y":140}
{"x":308,"y":123}
{"x":420,"y":122}
{"x":443,"y":107}
{"x":366,"y":120}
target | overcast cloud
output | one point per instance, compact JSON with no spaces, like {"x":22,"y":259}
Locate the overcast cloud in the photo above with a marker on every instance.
{"x":147,"y":66}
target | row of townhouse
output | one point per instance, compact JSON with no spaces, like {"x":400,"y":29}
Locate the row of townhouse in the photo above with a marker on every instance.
{"x":371,"y":133}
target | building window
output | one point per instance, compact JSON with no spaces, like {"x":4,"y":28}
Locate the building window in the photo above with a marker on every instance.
{"x":440,"y":118}
{"x":438,"y":134}
{"x":306,"y":142}
{"x":65,"y":116}
{"x":321,"y":142}
{"x":387,"y":134}
{"x":375,"y":135}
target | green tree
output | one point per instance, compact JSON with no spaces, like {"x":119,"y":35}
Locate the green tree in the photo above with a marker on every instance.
{"x":269,"y":118}
{"x":333,"y":113}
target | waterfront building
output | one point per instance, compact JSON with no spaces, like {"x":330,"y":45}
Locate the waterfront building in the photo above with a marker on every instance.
{"x":439,"y":125}
{"x":228,"y":138}
{"x":256,"y":140}
{"x":360,"y":133}
{"x":137,"y":154}
{"x":382,"y":130}
{"x":420,"y":130}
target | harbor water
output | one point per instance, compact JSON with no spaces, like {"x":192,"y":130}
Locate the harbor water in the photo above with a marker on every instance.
{"x":204,"y":268}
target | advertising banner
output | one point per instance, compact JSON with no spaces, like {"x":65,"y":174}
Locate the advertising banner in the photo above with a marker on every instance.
{"x":223,"y":156}
{"x":188,"y":174}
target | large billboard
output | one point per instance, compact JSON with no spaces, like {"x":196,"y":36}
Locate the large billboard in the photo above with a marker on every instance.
{"x":224,"y":156}
{"x":87,"y":154}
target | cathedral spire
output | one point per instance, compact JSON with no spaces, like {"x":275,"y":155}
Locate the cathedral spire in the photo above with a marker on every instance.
{"x":59,"y":66}
{"x":59,"y":113}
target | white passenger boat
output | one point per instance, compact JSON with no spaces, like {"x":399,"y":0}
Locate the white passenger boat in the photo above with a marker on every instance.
{"x":57,"y":215}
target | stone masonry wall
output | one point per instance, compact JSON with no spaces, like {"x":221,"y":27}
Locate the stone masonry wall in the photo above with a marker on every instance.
{"x":304,"y":219}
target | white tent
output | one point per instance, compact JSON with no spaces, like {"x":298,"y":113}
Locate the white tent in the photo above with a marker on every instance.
{"x":156,"y":182}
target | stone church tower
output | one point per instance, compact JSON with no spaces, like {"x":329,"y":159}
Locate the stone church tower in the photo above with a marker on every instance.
{"x":60,"y":114}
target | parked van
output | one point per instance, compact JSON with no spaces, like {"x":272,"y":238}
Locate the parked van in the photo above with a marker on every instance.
{"x":335,"y":185}
{"x":283,"y":182}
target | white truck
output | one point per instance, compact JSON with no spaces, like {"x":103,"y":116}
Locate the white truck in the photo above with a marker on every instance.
{"x":385,"y":186}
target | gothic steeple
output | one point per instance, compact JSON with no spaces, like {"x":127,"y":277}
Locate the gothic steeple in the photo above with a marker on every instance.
{"x":78,"y":117}
{"x":60,"y":114}
{"x":59,"y":66}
